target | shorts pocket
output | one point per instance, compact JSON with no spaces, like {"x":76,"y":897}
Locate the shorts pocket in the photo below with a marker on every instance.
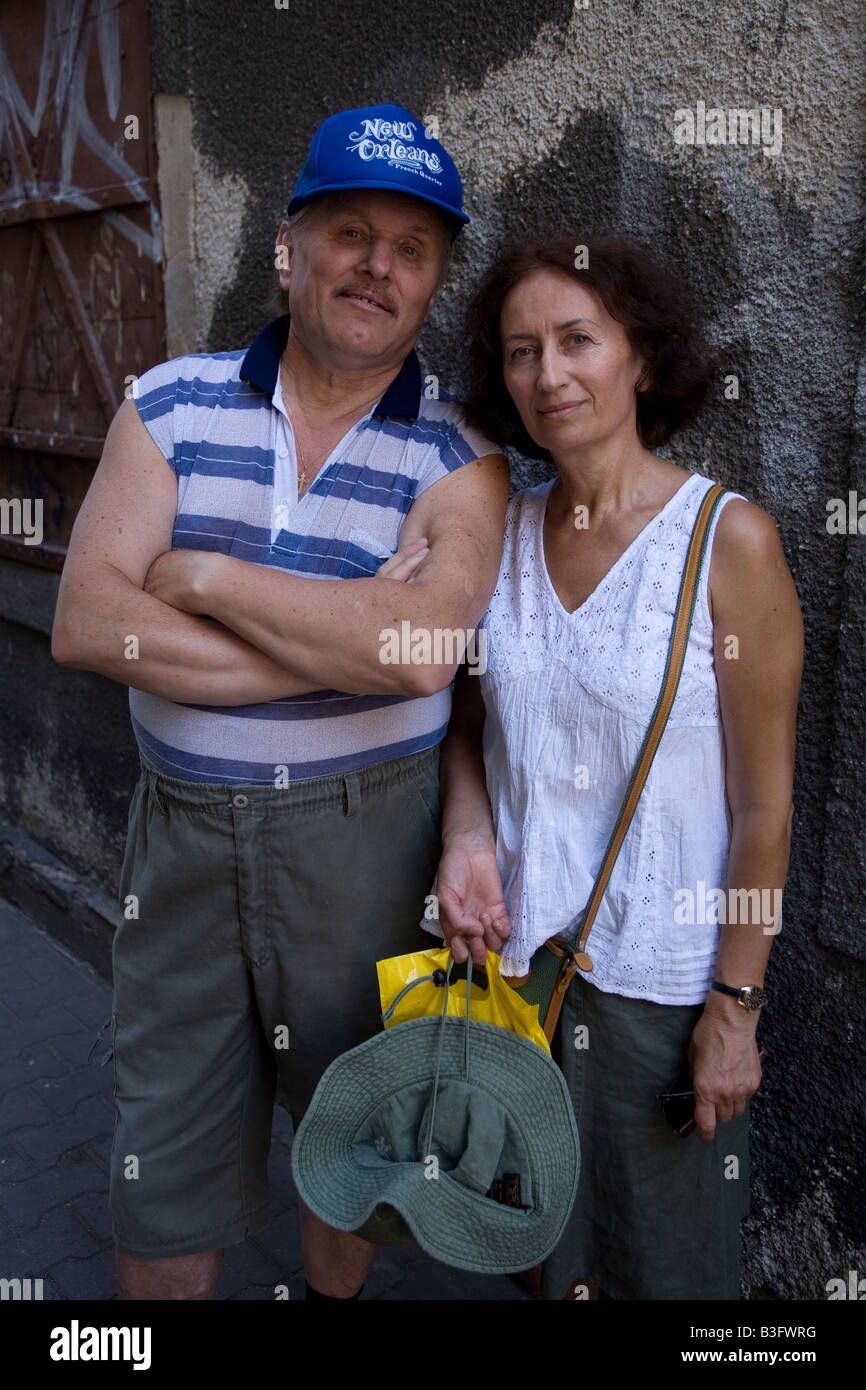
{"x":426,"y":807}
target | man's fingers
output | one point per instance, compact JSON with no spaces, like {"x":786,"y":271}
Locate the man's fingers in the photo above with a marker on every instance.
{"x":405,"y":562}
{"x":401,"y":567}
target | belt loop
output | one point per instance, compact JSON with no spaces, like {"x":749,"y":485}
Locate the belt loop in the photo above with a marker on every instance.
{"x":352,"y":793}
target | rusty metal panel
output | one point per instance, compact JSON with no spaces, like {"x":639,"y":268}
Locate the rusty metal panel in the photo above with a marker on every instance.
{"x":81,"y":307}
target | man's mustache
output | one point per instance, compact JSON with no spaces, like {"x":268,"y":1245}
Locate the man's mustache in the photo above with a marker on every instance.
{"x":378,"y":296}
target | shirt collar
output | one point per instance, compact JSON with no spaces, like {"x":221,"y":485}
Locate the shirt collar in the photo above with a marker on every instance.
{"x":261,"y":367}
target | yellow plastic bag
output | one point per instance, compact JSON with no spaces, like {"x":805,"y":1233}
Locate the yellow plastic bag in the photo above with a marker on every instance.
{"x":493,"y":1001}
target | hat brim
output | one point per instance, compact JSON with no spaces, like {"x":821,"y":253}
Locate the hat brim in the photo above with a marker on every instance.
{"x":449,"y":1220}
{"x":456,"y":220}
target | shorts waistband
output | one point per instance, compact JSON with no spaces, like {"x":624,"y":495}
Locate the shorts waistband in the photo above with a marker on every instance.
{"x":338,"y":789}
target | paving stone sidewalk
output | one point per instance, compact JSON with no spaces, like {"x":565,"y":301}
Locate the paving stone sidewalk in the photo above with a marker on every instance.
{"x":56,"y":1124}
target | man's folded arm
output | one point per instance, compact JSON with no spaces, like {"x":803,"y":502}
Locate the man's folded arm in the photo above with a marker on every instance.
{"x":337,"y":632}
{"x":104,"y":620}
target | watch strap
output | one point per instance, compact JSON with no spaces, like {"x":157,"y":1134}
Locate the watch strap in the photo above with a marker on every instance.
{"x":739,"y":993}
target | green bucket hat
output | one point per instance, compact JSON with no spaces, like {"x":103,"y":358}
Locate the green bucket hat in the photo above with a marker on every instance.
{"x":456,"y":1134}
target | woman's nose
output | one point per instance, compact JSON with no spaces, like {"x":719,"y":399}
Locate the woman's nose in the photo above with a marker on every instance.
{"x":551,"y":372}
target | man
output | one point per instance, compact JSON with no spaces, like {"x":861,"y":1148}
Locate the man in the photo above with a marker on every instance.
{"x":227,"y":564}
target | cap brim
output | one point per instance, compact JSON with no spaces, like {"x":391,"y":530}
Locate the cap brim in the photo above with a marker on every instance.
{"x":457,"y":220}
{"x":450,"y":1221}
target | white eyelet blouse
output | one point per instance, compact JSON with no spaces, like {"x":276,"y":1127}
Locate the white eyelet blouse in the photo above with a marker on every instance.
{"x":568,"y":699}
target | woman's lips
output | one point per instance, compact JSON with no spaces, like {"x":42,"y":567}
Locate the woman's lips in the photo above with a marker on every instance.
{"x":559,"y":412}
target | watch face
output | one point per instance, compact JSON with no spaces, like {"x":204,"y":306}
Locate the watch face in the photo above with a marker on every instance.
{"x":754,"y":997}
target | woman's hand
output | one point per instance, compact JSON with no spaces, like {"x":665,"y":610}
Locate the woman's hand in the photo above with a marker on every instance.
{"x":723,"y":1059}
{"x":471,"y":905}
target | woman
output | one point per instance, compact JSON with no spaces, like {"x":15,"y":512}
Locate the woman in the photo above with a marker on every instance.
{"x":589,"y":356}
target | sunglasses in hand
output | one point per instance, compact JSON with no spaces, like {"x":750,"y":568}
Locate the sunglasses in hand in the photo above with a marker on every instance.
{"x":678,"y":1102}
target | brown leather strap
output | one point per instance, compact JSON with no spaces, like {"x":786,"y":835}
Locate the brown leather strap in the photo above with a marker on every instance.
{"x":563,"y":979}
{"x":676,"y":657}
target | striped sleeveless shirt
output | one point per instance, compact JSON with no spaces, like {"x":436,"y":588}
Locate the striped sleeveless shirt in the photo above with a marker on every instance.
{"x":219,"y":420}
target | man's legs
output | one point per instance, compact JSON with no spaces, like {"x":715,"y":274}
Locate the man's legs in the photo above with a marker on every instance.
{"x":350,"y":862}
{"x":327,"y":878}
{"x":194,"y":1076}
{"x":185,"y":1276}
{"x":336,"y":1263}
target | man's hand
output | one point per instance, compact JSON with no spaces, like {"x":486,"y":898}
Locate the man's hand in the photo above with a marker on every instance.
{"x":179,"y":578}
{"x":471,"y":905}
{"x":723,"y":1058}
{"x":404,"y":563}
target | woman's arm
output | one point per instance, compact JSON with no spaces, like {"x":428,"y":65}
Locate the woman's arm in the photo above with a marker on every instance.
{"x":754,"y":601}
{"x":471,"y":906}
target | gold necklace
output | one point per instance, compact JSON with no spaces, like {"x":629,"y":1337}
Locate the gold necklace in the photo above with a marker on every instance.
{"x":303,"y":483}
{"x":302,"y":476}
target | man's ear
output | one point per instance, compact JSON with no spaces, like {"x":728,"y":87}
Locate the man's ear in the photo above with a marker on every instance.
{"x":283,"y":255}
{"x":430,"y":302}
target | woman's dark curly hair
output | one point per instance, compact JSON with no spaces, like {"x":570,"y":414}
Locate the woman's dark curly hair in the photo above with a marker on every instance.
{"x":651,"y":303}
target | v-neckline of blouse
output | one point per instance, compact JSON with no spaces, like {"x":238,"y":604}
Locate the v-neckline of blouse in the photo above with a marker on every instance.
{"x":573,"y":613}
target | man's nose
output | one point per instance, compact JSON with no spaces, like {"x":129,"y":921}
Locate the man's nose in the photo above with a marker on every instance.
{"x":377,"y":257}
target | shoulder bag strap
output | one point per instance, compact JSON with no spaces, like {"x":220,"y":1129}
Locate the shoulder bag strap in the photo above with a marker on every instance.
{"x":670,"y":681}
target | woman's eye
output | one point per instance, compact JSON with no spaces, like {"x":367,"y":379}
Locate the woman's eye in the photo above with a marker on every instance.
{"x":577,"y":338}
{"x":520,"y":352}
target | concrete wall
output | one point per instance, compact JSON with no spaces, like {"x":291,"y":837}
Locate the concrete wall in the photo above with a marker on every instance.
{"x":561,"y":116}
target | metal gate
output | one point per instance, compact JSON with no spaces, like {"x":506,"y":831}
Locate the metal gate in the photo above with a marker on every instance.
{"x":81,"y":307}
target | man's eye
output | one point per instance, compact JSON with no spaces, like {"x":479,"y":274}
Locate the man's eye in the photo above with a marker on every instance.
{"x":413,"y":249}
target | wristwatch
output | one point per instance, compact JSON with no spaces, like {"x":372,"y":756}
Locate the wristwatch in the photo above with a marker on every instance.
{"x":750,"y":996}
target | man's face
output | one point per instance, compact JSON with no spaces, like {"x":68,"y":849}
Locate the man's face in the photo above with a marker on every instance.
{"x":362,"y":276}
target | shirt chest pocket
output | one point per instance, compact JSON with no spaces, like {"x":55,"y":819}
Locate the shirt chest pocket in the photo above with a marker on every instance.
{"x":363,"y":555}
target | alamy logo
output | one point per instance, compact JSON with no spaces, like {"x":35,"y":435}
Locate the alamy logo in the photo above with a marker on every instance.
{"x":855,"y":1289}
{"x":419,"y":646}
{"x":22,"y":518}
{"x":21,"y":1289}
{"x":387,"y":140}
{"x":76,"y":1343}
{"x":736,"y":126}
{"x":746,"y":906}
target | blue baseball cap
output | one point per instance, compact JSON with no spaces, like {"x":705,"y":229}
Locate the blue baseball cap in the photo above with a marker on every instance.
{"x":380,"y":147}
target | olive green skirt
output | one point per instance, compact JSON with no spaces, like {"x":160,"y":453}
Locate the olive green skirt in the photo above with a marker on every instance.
{"x":656,"y":1216}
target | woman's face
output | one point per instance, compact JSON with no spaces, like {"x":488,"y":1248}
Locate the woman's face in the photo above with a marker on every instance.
{"x":568,"y":366}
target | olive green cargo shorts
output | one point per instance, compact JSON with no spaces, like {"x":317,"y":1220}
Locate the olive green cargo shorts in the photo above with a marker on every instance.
{"x":261,"y":913}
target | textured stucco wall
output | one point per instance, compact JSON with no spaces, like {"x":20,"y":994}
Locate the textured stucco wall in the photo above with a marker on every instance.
{"x":561,"y":117}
